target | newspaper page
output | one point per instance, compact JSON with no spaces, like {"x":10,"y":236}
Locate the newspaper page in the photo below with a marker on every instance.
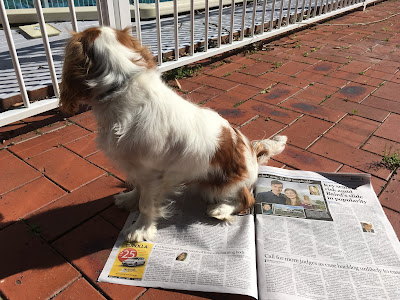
{"x":323,"y":236}
{"x":190,"y":252}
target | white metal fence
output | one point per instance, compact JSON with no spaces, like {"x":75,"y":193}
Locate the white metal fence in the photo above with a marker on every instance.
{"x":236,"y":25}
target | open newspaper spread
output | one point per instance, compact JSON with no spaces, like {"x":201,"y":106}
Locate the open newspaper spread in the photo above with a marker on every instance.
{"x":314,"y":236}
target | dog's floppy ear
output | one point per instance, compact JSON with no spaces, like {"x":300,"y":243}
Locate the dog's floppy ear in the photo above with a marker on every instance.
{"x":77,"y":63}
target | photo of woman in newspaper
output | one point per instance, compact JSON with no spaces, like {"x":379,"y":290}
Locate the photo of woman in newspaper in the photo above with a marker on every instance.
{"x":367,"y":227}
{"x":182,"y":256}
{"x":303,"y":198}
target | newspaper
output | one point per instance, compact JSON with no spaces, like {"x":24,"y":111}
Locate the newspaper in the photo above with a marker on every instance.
{"x":312,"y":236}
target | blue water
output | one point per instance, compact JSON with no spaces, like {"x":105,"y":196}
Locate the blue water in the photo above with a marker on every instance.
{"x":12,"y":4}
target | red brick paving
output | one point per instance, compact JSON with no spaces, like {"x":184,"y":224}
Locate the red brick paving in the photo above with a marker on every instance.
{"x":79,"y":288}
{"x":336,"y":96}
{"x":352,"y":130}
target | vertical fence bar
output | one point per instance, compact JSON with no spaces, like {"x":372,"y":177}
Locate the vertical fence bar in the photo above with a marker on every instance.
{"x":176,"y":33}
{"x":46,"y":45}
{"x":206,"y":21}
{"x":321,"y":7}
{"x":13,"y":53}
{"x":137,"y":21}
{"x":296,"y":7}
{"x":191,"y":27}
{"x":158,"y":26}
{"x":337,"y":4}
{"x":219,"y":23}
{"x":107,"y":13}
{"x":302,"y":11}
{"x":99,"y":12}
{"x":309,"y":9}
{"x":243,"y":19}
{"x":315,"y":8}
{"x":263,"y":16}
{"x":271,"y":21}
{"x":232,"y":22}
{"x":253,"y":20}
{"x":72,"y":12}
{"x":280,"y":15}
{"x":326,"y":7}
{"x":288,"y":11}
{"x":122,"y":14}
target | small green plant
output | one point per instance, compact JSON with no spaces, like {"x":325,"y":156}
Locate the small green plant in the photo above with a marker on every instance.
{"x":33,"y":228}
{"x":355,"y":111}
{"x":241,"y":102}
{"x":362,"y":73}
{"x":297,"y":45}
{"x":391,"y":160}
{"x":305,"y":54}
{"x":226,"y":74}
{"x":182,"y":72}
{"x":386,"y":40}
{"x":384,"y":28}
{"x":277,"y":64}
{"x":267,"y":90}
{"x":311,"y":84}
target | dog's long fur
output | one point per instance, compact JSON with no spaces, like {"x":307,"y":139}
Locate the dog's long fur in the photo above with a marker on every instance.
{"x":160,"y":140}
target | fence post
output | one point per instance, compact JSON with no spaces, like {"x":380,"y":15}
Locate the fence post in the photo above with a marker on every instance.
{"x":115,"y":13}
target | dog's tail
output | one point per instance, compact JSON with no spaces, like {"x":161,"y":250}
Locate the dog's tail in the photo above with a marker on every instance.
{"x":265,"y":149}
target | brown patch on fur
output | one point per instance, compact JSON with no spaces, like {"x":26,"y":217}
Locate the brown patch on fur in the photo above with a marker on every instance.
{"x":126,"y":39}
{"x":229,"y":160}
{"x":75,"y":70}
{"x":246,"y":198}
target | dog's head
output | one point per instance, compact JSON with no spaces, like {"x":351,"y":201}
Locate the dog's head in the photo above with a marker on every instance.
{"x":97,"y":62}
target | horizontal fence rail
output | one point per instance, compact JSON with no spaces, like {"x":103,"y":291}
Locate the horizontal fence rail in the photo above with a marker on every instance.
{"x":175,"y":41}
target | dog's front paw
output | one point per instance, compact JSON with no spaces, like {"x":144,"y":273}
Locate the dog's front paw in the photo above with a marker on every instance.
{"x":139,"y":233}
{"x":128,"y":201}
{"x":221,"y":212}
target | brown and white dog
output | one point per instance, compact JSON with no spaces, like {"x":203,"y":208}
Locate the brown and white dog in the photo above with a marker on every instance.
{"x":160,"y":140}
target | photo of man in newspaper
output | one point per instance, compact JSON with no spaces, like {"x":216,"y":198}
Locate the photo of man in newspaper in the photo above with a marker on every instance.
{"x":291,"y":197}
{"x":274,"y":195}
{"x":267,"y":208}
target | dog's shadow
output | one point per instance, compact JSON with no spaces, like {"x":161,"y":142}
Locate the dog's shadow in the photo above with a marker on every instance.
{"x":37,"y":241}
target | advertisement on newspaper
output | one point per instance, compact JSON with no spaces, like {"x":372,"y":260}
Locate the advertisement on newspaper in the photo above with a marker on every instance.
{"x":130,"y":262}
